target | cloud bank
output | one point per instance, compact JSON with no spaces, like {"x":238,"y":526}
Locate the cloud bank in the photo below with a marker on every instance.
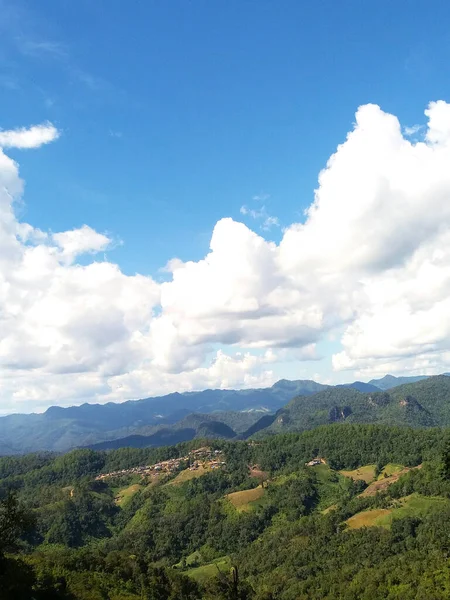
{"x":370,"y":264}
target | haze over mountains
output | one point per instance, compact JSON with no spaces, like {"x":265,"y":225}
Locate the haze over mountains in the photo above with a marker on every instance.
{"x":226,"y":413}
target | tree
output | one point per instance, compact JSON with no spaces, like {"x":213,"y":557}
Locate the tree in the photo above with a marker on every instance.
{"x":17,"y":579}
{"x":14,"y":522}
{"x":229,"y":587}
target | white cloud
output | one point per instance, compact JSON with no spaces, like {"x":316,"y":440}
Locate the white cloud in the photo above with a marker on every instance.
{"x":35,"y":136}
{"x":267,"y":221}
{"x":270,"y":222}
{"x":222,"y":371}
{"x":412,"y":130}
{"x":71,"y":333}
{"x":370,"y":266}
{"x":370,"y":258}
{"x":80,"y":241}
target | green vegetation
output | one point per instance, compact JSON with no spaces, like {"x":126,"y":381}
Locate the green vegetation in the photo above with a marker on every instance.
{"x":390,"y":469}
{"x":187,"y":475}
{"x":125,"y":494}
{"x":210,"y":570}
{"x":243,"y":500}
{"x":365,"y":473}
{"x":423,"y":403}
{"x":305,"y":532}
{"x":414,"y":505}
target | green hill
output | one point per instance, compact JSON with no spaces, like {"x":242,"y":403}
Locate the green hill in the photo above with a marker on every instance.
{"x":425,"y":403}
{"x":196,"y":521}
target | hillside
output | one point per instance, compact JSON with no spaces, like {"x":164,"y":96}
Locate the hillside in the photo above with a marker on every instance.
{"x":233,"y":519}
{"x":215,"y":426}
{"x":425,"y":403}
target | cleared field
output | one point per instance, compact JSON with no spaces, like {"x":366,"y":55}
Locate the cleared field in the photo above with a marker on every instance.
{"x":369,"y":518}
{"x":390,"y":469}
{"x":69,"y":490}
{"x":187,"y":475}
{"x":384,"y":482}
{"x":409,"y":506}
{"x":412,"y":506}
{"x":210,"y":570}
{"x":257,"y":473}
{"x":366,"y":473}
{"x":127,"y":493}
{"x":241,"y":500}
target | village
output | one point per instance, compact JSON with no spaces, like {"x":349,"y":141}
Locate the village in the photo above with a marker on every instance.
{"x":204,"y":457}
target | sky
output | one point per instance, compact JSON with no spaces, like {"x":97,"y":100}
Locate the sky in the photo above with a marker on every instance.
{"x":199,"y":194}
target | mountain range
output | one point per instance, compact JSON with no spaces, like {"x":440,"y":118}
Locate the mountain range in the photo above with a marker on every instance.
{"x":423,"y":403}
{"x":286,"y":406}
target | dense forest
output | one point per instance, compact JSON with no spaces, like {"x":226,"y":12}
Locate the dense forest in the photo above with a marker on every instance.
{"x":368,"y":519}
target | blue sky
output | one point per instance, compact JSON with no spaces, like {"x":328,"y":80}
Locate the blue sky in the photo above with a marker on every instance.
{"x":174,"y":115}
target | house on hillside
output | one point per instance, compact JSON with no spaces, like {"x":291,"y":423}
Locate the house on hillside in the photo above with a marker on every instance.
{"x":314,"y":462}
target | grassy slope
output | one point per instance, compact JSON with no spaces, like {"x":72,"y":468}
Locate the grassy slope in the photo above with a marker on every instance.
{"x":390,"y":469}
{"x":242,"y":500}
{"x":382,"y":483}
{"x":187,"y":475}
{"x":125,"y":494}
{"x":368,"y":518}
{"x":205,"y":572}
{"x":409,"y":506}
{"x":365,"y":473}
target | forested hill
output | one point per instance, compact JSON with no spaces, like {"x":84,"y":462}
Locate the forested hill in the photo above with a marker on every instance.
{"x":367,"y":519}
{"x":425,"y":403}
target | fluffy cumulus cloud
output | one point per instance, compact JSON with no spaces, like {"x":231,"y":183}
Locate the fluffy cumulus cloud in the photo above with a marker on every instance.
{"x":72,"y":332}
{"x":371,"y":260}
{"x":370,"y":264}
{"x":33,"y":137}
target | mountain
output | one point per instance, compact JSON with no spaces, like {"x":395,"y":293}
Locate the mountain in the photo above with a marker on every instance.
{"x":425,"y":403}
{"x":360,"y":386}
{"x":390,"y":381}
{"x":234,"y":413}
{"x":421,"y":404}
{"x":59,"y":429}
{"x":213,"y":426}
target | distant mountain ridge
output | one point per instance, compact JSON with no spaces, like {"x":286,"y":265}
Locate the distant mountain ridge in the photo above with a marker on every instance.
{"x":390,"y":381}
{"x":424,"y":403}
{"x":178,"y":417}
{"x":60,"y":429}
